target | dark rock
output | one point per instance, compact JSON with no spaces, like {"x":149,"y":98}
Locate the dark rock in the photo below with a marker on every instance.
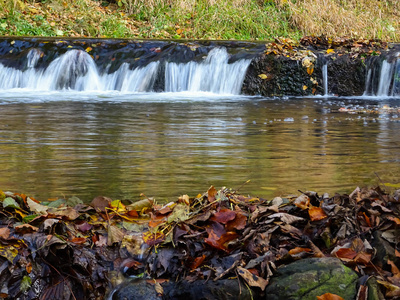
{"x":137,"y":289}
{"x":198,"y":290}
{"x":312,"y":277}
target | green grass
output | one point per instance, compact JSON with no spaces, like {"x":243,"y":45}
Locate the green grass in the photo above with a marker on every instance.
{"x":201,"y":19}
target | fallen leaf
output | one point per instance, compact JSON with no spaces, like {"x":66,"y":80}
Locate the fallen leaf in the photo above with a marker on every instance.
{"x":36,"y":207}
{"x":263,"y":76}
{"x":329,"y":51}
{"x":8,"y":252}
{"x":100,"y":203}
{"x":10,"y":202}
{"x":251,"y":279}
{"x":153,"y":239}
{"x":4,"y":233}
{"x":25,"y":228}
{"x":223,"y":216}
{"x":316,"y":214}
{"x":329,"y":296}
{"x":115,"y":235}
{"x":211,"y":193}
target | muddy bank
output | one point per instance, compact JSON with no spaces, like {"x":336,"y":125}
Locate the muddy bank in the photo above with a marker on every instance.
{"x":219,"y":243}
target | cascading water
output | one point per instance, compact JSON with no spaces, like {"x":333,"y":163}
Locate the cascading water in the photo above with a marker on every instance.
{"x":325,"y":78}
{"x":77,"y":70}
{"x":388,"y":83}
{"x":214,"y":74}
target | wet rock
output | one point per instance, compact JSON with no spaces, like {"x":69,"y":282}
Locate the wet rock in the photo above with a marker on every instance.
{"x":137,"y":289}
{"x":198,"y":290}
{"x":312,"y":277}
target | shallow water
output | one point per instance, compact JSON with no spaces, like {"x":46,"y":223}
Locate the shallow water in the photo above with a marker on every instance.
{"x":62,"y":144}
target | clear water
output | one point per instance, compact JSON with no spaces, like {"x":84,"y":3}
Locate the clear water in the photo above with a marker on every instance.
{"x":56,"y":144}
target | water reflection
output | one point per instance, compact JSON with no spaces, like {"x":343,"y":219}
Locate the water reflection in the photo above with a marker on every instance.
{"x":165,"y":149}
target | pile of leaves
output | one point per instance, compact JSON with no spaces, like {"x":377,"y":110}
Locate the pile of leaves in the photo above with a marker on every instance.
{"x":66,"y":249}
{"x":338,"y":45}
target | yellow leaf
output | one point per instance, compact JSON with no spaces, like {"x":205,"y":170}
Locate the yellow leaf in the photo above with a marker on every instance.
{"x":88,"y":49}
{"x":310,"y":69}
{"x":179,"y":31}
{"x":263,"y":76}
{"x":329,"y":51}
{"x":118,"y":206}
{"x":8,"y":252}
{"x":305,"y":87}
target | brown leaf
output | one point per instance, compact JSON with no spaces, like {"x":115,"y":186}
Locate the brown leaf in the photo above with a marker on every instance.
{"x":211,"y":193}
{"x":286,"y":218}
{"x":68,"y":212}
{"x":4,"y":233}
{"x":251,"y":279}
{"x":115,"y":235}
{"x":100,"y":203}
{"x":25,"y":228}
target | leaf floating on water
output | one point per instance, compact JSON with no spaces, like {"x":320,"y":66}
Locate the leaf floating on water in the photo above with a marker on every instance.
{"x":263,"y":76}
{"x":329,"y":51}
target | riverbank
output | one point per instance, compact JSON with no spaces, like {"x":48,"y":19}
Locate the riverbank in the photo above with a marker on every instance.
{"x":66,"y":249}
{"x":205,"y":19}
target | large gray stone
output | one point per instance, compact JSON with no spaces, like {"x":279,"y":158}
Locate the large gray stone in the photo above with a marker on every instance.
{"x":308,"y":278}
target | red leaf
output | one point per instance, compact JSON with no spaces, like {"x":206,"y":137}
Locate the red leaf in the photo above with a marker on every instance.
{"x":78,"y":241}
{"x":220,"y":242}
{"x":197,"y":262}
{"x":238,"y":223}
{"x":346,"y":253}
{"x":329,"y":296}
{"x":224,"y":216}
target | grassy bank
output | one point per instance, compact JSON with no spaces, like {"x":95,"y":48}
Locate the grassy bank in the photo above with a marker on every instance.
{"x":201,"y":19}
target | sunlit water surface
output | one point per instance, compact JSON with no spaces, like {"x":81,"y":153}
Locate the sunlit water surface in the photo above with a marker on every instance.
{"x":62,"y":144}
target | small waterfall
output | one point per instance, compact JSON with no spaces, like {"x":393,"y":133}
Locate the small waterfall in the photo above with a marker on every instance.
{"x":383,"y":79}
{"x":77,"y":70}
{"x":325,"y":78}
{"x":214,"y":74}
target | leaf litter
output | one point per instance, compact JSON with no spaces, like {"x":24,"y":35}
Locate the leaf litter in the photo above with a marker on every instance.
{"x":81,"y":251}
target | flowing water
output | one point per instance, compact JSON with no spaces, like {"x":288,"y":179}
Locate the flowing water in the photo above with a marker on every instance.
{"x":73,"y":130}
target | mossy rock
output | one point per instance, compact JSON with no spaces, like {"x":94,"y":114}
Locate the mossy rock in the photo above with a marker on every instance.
{"x":308,"y":278}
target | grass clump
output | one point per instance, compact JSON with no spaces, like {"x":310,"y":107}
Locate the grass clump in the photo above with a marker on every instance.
{"x":352,"y":18}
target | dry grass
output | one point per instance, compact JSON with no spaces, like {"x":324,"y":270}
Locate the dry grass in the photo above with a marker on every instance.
{"x":352,"y":18}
